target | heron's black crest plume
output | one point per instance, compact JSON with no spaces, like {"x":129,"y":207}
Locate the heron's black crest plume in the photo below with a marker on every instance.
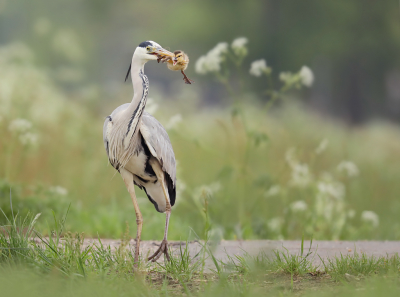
{"x":145,"y":43}
{"x":129,"y":71}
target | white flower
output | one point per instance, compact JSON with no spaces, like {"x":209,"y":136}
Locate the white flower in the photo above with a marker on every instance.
{"x":274,"y":190}
{"x":371,"y":217}
{"x":212,"y":61}
{"x":239,"y":46}
{"x":173,"y":121}
{"x":219,"y":49}
{"x":201,"y":65}
{"x":258,"y":67}
{"x":28,"y":138}
{"x":322,"y":146}
{"x":333,"y":189}
{"x":20,"y":125}
{"x":298,"y":206}
{"x":59,"y":190}
{"x":275,"y":224}
{"x":301,"y":175}
{"x":239,"y":42}
{"x":306,"y":76}
{"x":349,"y":168}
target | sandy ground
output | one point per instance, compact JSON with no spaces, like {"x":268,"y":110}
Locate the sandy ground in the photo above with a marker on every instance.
{"x":325,"y":249}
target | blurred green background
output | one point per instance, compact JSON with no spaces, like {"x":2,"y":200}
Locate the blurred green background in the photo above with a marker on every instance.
{"x":62,"y":66}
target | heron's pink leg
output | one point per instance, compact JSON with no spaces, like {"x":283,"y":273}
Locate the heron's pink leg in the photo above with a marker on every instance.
{"x":128,"y":180}
{"x":163,"y":249}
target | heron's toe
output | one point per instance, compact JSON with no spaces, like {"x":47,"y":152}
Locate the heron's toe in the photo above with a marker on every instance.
{"x":163,"y":249}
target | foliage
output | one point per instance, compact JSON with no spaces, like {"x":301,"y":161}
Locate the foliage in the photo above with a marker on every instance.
{"x":264,"y":177}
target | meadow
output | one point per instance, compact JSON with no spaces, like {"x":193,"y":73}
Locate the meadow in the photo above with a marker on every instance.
{"x":267,"y":172}
{"x":246,"y":170}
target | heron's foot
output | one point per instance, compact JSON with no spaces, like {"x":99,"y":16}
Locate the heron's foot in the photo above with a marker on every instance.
{"x":163,"y":249}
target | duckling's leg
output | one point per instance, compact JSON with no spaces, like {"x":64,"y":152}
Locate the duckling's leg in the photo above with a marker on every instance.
{"x":186,"y":79}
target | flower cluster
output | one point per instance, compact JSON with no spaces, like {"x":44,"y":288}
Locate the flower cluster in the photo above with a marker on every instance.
{"x":370,"y":217}
{"x":301,"y":175}
{"x":322,"y":209}
{"x":239,"y":46}
{"x":21,"y":128}
{"x":20,"y":125}
{"x":273,"y":191}
{"x":211,"y":62}
{"x":304,"y":77}
{"x":298,"y":206}
{"x":258,"y":67}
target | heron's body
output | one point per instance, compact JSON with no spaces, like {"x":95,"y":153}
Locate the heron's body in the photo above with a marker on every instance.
{"x":151,"y":134}
{"x":138,"y":146}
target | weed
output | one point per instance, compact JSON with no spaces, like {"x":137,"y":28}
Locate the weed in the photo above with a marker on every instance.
{"x":360,"y":265}
{"x":296,"y":264}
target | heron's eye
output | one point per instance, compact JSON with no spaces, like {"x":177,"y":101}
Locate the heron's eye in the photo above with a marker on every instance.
{"x":148,"y":48}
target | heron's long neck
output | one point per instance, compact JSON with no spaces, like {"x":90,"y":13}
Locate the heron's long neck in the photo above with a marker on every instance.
{"x":136,"y":108}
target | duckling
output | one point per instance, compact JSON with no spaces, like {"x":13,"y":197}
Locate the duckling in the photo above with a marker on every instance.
{"x":179,"y":62}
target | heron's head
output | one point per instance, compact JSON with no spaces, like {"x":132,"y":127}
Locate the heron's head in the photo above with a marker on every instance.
{"x":150,"y":50}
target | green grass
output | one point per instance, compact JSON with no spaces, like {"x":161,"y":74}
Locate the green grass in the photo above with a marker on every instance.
{"x":61,"y":263}
{"x":360,"y":265}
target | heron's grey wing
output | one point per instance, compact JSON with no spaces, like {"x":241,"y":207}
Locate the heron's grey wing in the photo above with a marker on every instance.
{"x":159,"y":144}
{"x":108,"y":125}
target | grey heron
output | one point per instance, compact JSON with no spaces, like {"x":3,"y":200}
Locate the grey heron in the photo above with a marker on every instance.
{"x":138,"y":147}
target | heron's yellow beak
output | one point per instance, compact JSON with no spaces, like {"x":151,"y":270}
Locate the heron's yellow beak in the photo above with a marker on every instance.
{"x":163,"y":53}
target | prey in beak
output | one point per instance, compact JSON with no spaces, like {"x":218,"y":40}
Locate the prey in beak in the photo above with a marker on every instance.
{"x":180,"y":62}
{"x":163,"y":55}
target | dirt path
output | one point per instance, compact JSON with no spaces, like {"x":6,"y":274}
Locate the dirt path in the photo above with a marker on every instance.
{"x":324,"y":249}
